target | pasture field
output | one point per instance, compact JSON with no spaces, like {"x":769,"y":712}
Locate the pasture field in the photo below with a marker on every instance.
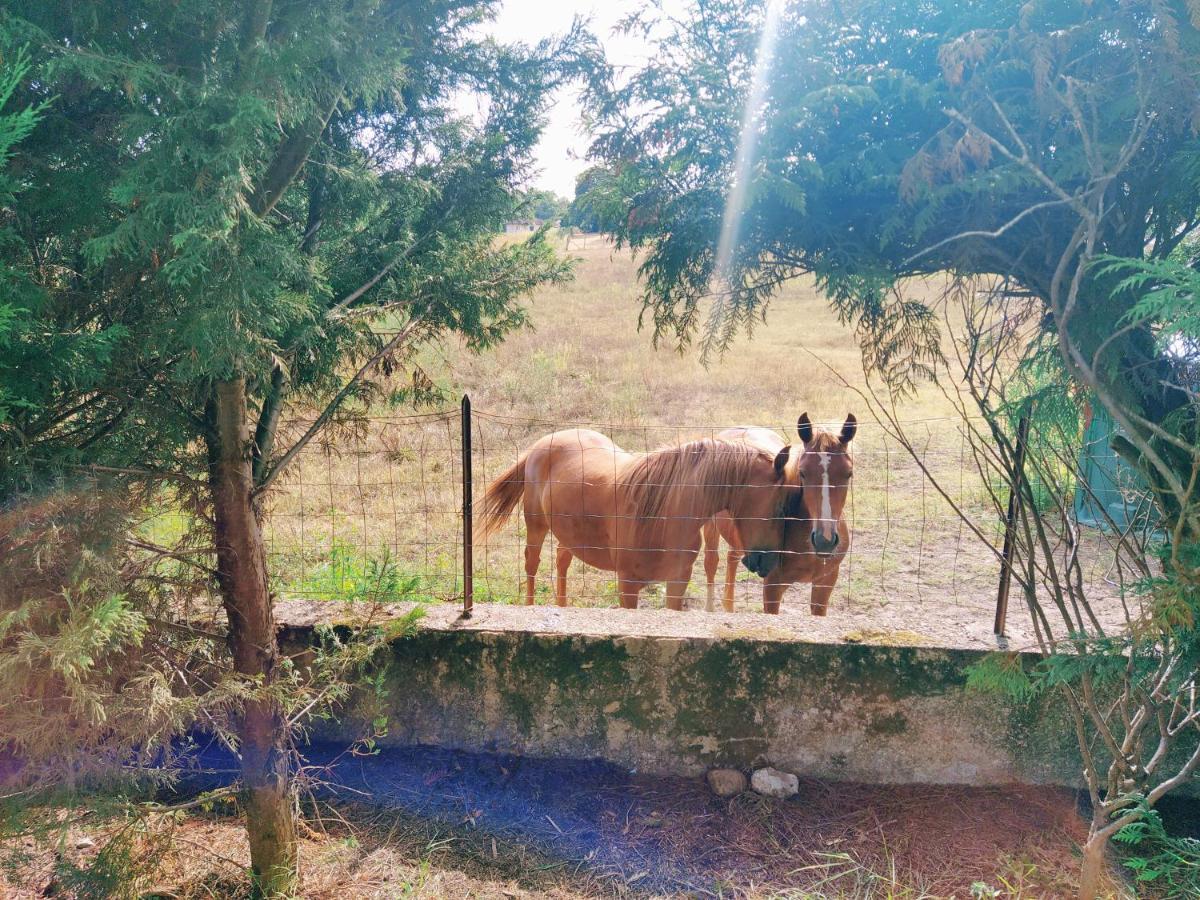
{"x":374,"y":510}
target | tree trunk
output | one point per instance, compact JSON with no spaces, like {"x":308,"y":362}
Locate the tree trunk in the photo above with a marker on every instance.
{"x":1093,"y":865}
{"x":245,"y":592}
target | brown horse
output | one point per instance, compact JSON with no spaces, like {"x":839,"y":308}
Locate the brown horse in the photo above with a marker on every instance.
{"x":816,"y":546}
{"x":640,"y":514}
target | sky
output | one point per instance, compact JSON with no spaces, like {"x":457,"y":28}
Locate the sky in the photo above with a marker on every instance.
{"x":561,"y":152}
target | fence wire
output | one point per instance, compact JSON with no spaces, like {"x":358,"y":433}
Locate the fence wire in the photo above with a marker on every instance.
{"x":375,"y":512}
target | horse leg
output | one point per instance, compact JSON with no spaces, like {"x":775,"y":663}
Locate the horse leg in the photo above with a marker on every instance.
{"x":535,"y":535}
{"x":630,"y":592}
{"x":731,"y":563}
{"x":675,"y":591}
{"x":818,"y":602}
{"x":712,"y":561}
{"x":772,"y":595}
{"x":562,"y":563}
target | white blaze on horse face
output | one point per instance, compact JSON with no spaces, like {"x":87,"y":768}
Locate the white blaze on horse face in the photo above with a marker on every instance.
{"x":826,"y":522}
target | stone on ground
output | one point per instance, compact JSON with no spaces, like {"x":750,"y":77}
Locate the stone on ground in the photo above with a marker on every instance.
{"x":726,"y":782}
{"x":773,"y":783}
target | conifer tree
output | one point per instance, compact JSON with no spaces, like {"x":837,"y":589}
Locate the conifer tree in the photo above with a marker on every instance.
{"x":234,"y":194}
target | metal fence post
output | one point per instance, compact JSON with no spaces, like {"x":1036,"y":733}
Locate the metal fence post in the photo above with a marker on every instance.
{"x":1010,"y":524}
{"x":468,"y":513}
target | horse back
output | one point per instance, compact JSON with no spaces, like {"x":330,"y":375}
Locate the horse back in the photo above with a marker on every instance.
{"x":754,"y":435}
{"x":568,"y":462}
{"x":571,"y":452}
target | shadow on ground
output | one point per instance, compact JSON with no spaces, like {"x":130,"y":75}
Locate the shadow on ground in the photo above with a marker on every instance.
{"x":671,"y":835}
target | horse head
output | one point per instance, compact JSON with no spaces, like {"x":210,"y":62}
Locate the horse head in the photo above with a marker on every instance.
{"x":765,"y":517}
{"x":824,"y":470}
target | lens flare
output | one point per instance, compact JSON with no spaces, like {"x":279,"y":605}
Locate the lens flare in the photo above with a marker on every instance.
{"x":752,"y":124}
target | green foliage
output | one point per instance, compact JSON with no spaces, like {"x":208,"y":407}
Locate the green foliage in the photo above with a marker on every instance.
{"x":99,"y":690}
{"x":303,"y":197}
{"x":344,"y":660}
{"x":898,"y":141}
{"x":77,"y":693}
{"x":1164,"y":291}
{"x":1103,"y":661}
{"x":1004,"y":674}
{"x":1163,"y":298}
{"x":1009,"y":144}
{"x":232,"y":209}
{"x":1173,"y":595}
{"x":1159,"y":859}
{"x":14,"y":126}
{"x":545,"y":206}
{"x":599,"y":203}
{"x":122,"y":867}
{"x":37,"y":364}
{"x":349,"y":576}
{"x":1042,"y":389}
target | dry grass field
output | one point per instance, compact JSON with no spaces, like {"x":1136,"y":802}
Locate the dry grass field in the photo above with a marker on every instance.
{"x":377,"y":512}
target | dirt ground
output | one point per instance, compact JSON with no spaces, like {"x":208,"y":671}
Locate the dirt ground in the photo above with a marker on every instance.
{"x":434,"y":823}
{"x":951,"y":601}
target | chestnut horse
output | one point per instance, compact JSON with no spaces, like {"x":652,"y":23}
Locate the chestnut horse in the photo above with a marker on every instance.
{"x":640,"y":514}
{"x":815,"y":548}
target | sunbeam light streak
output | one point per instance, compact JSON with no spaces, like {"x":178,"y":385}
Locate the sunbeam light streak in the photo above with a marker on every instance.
{"x":764,"y":60}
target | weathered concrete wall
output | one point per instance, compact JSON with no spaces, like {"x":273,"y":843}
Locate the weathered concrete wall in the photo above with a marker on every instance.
{"x":679,"y":694}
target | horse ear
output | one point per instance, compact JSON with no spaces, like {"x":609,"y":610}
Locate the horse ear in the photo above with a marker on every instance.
{"x":781,"y":460}
{"x":804,"y":428}
{"x":849,"y":429}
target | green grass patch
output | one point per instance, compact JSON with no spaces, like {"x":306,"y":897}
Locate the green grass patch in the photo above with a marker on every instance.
{"x":345,"y":573}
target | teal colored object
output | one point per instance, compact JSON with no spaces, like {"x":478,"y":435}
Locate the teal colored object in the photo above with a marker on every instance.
{"x":1113,"y":487}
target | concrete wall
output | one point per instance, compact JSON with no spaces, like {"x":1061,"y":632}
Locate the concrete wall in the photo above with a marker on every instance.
{"x":669,"y":693}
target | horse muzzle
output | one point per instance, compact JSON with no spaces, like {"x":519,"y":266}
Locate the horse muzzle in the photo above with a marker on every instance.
{"x":825,"y":546}
{"x":761,"y":562}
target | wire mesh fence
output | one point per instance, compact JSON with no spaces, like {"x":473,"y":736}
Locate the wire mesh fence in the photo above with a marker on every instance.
{"x":376,"y":510}
{"x":372,"y":509}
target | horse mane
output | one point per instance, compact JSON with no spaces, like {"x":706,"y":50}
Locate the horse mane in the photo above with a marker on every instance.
{"x":714,"y":467}
{"x":827,"y":442}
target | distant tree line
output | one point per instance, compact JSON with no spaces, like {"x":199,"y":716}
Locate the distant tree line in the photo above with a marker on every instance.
{"x":544,"y":206}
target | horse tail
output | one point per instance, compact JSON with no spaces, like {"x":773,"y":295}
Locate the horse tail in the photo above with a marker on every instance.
{"x":502,"y":497}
